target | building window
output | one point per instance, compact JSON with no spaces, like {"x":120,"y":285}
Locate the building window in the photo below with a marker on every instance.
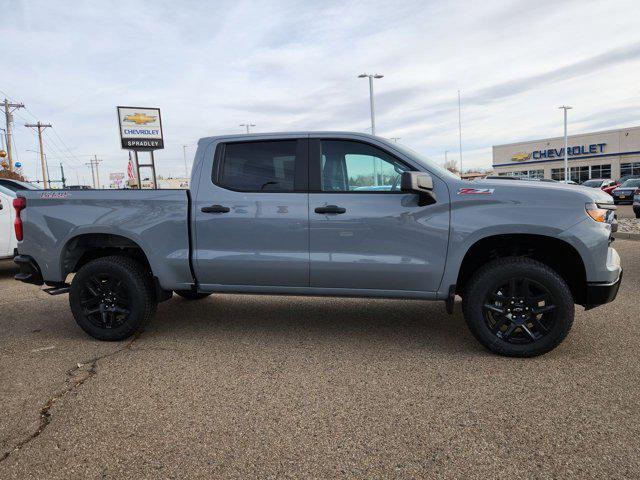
{"x":600,"y":171}
{"x":579,"y":174}
{"x":557,"y":174}
{"x":629,"y":169}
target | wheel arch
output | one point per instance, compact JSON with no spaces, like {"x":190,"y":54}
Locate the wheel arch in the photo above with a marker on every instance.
{"x":85,"y":247}
{"x":556,"y":253}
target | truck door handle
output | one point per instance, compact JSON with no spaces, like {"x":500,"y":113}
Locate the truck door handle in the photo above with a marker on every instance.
{"x":215,"y":209}
{"x":330,"y":209}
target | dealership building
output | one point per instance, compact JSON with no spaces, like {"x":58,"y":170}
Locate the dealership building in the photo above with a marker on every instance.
{"x":606,"y":154}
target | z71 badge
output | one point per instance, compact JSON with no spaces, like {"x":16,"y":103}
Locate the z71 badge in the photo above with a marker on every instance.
{"x":475,"y":191}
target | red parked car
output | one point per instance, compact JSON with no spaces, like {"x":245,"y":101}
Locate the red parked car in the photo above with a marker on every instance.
{"x":604,"y":184}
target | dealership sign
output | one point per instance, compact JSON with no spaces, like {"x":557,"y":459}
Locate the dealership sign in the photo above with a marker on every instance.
{"x":551,"y":153}
{"x":140,"y":128}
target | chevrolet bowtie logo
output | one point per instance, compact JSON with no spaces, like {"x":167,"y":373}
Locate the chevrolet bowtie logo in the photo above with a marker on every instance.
{"x":521,"y":157}
{"x":139,"y":118}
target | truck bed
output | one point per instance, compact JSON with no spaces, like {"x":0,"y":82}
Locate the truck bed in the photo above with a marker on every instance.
{"x":156,"y":220}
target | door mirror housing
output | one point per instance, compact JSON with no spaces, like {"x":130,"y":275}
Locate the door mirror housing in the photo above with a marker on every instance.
{"x":420,"y":183}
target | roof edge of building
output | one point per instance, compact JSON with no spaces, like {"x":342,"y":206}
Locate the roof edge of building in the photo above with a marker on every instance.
{"x":636,"y":127}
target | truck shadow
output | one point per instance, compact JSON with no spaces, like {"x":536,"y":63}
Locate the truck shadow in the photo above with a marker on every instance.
{"x":7,"y":268}
{"x":403,"y":323}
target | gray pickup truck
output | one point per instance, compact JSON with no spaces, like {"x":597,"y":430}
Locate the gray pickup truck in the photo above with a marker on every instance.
{"x":327,"y":214}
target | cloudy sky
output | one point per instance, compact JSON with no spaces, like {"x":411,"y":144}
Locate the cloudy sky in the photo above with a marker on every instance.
{"x":292,"y":65}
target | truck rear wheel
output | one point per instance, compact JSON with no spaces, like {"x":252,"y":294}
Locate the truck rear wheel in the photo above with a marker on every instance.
{"x":518,"y":307}
{"x":112,"y":297}
{"x":190,"y":295}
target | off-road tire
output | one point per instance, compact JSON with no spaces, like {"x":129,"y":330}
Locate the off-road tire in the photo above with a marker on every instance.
{"x":480,"y":286}
{"x":135,"y":283}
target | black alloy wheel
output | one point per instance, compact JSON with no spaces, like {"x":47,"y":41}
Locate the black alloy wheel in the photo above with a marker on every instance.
{"x":104,"y":301}
{"x":519,"y":311}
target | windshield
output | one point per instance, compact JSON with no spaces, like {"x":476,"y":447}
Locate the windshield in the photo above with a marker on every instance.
{"x":592,"y":183}
{"x":631,"y":183}
{"x":428,"y":164}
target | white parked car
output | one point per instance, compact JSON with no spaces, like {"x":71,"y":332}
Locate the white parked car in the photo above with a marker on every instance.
{"x":7,"y":214}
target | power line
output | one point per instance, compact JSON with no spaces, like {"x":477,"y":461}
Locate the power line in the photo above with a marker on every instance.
{"x":53,"y":146}
{"x":72,"y":157}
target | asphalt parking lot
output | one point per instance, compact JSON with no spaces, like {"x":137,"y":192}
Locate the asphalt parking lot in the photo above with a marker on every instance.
{"x":625,"y":211}
{"x":282,"y":387}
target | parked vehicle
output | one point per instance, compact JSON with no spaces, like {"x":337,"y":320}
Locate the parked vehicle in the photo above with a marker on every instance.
{"x":17,"y":185}
{"x":624,"y":178}
{"x":605,"y":184}
{"x":278,"y":214}
{"x":636,"y":205}
{"x":625,"y":192}
{"x":7,"y":234}
{"x":502,"y":177}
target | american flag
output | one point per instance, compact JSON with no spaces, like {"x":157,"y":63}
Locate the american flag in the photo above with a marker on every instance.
{"x":130,"y":173}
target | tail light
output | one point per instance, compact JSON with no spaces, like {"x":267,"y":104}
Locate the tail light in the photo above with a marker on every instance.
{"x":19,"y":204}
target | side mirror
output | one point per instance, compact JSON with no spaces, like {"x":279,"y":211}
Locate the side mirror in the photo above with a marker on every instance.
{"x":420,"y":183}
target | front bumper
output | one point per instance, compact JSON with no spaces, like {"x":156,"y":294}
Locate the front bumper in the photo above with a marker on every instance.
{"x":601,"y":293}
{"x":29,"y":270}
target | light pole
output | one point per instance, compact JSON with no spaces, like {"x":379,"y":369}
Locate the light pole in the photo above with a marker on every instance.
{"x":566,"y":146}
{"x":371,"y":101}
{"x":247,"y":125}
{"x":184,"y":156}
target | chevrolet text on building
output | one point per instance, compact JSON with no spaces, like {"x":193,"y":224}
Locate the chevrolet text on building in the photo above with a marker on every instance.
{"x":140,"y":128}
{"x":604,"y":154}
{"x":572,"y":151}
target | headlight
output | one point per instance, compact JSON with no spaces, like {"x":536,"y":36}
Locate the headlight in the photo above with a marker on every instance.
{"x":603,"y":213}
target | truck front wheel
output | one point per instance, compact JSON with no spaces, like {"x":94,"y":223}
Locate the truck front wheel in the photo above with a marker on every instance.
{"x":112,"y":297}
{"x":518,"y":307}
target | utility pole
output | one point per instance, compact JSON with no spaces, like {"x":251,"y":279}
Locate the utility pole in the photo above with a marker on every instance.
{"x":64,"y":180}
{"x":566,"y":153}
{"x":9,"y":108}
{"x":371,"y":101}
{"x":460,"y":129}
{"x":95,"y":159}
{"x":247,"y":125}
{"x":95,"y":174}
{"x":41,"y":126}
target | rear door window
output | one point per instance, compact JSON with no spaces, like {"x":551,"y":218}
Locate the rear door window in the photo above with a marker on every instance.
{"x":268,"y":166}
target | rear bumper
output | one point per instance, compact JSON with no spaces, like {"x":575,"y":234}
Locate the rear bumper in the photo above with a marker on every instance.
{"x":29,"y":270}
{"x":601,"y":293}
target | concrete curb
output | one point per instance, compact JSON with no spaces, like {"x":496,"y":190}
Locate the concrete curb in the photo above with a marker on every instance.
{"x":627,"y":236}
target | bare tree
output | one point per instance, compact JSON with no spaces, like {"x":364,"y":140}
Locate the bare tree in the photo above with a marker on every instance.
{"x":451,"y":165}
